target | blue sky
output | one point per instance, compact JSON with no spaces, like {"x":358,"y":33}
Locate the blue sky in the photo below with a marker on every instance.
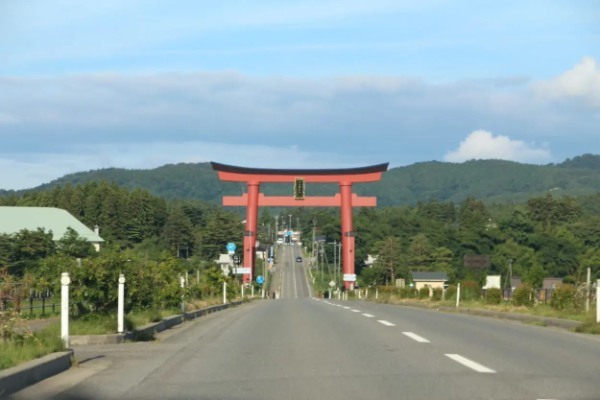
{"x":298,"y":84}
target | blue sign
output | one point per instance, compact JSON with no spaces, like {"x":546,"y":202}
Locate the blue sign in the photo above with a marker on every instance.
{"x":260,"y":280}
{"x":230,"y":247}
{"x":288,"y":233}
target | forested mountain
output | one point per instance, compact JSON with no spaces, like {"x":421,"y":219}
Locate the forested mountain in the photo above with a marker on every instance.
{"x":487,"y":180}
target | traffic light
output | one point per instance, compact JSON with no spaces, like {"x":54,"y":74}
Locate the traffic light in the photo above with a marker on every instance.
{"x":299,"y":189}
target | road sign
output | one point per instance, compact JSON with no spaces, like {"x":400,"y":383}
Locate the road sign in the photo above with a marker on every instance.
{"x":270,"y":260}
{"x":260,"y":280}
{"x":243,"y":270}
{"x":299,"y":189}
{"x":331,"y":283}
{"x":230,"y":247}
{"x":236,"y":259}
{"x":476,"y":261}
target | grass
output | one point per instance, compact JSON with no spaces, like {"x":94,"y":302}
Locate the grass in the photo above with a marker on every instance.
{"x":589,"y":326}
{"x":541,"y":310}
{"x":25,"y":346}
{"x":29,"y":346}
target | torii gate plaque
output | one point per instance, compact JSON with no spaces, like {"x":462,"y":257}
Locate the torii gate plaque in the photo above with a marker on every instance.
{"x":345,"y":200}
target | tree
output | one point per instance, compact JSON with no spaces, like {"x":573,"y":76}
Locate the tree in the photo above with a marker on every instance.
{"x":419,"y":252}
{"x":178,"y":233}
{"x":73,"y":245}
{"x":390,"y":258}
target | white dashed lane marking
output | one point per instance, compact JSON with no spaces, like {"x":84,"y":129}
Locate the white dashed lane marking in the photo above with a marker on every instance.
{"x":416,"y":337}
{"x":470,"y":364}
{"x":368,"y":315}
{"x":384,"y":322}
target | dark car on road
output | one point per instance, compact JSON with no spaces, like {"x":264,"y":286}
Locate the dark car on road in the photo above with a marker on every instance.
{"x":298,"y":259}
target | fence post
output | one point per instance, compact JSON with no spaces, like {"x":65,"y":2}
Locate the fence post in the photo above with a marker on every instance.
{"x":65,"y":281}
{"x":224,"y":292}
{"x":182,"y":286}
{"x":121,"y":304}
{"x":458,"y":295}
{"x":598,"y":301}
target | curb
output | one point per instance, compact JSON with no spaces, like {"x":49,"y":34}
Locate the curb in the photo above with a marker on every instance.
{"x":31,"y":372}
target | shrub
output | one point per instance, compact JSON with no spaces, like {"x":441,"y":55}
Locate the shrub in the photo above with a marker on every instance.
{"x":523,"y":296}
{"x":493,"y":296}
{"x":408,"y":293}
{"x":424,"y":293}
{"x":451,"y":292}
{"x":470,"y":290}
{"x":565,"y":297}
{"x":437,"y":294}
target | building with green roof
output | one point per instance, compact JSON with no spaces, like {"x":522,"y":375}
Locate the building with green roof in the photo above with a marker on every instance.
{"x":55,"y":220}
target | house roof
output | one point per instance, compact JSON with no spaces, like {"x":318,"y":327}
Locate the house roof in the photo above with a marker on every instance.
{"x":551,"y":283}
{"x":15,"y":219}
{"x":429,"y":276}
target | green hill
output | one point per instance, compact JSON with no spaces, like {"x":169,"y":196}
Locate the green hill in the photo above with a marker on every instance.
{"x":488,"y":180}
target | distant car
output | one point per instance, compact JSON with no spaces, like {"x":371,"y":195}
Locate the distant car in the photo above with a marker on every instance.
{"x":298,"y":259}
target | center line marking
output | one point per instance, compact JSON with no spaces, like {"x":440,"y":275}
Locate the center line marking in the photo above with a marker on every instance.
{"x":384,"y":322}
{"x":416,"y":337}
{"x":355,"y":310}
{"x":470,"y":364}
{"x":368,"y":315}
{"x":347,"y":308}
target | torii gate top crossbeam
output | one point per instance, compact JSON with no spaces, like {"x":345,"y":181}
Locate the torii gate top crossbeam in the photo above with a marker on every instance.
{"x":348,"y":175}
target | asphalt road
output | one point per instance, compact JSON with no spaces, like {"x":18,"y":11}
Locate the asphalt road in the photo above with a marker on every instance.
{"x":290,"y":277}
{"x":301,"y":348}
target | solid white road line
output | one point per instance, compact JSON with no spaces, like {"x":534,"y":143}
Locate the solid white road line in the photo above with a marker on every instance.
{"x":470,"y":364}
{"x":384,"y":322}
{"x":368,"y":315}
{"x":416,"y":337}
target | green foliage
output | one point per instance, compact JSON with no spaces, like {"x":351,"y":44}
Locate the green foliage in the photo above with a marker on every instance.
{"x":493,"y":181}
{"x":470,"y":290}
{"x":565,"y":297}
{"x":408,"y":293}
{"x":437,"y":294}
{"x":424,"y":293}
{"x":73,"y":245}
{"x":523,"y":296}
{"x":451,"y":292}
{"x":493,"y":296}
{"x":29,"y":347}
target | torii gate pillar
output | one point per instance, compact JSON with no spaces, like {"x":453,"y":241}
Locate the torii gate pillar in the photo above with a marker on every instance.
{"x":346,"y":200}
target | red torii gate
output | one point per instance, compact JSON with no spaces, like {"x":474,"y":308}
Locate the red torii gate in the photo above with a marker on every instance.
{"x":345,"y":200}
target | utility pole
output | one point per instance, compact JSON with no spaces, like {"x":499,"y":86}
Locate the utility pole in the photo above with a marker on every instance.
{"x":314,"y":231}
{"x":508,"y":280}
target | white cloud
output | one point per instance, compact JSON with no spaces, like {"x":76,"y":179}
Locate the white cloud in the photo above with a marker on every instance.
{"x":582,"y":81}
{"x":481,"y":145}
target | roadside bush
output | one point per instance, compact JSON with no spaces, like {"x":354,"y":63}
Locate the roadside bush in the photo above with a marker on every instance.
{"x":470,"y":290}
{"x":437,"y":294}
{"x":408,"y":293}
{"x":424,"y":293}
{"x":565,"y":297}
{"x":451,"y":292}
{"x":493,"y":296}
{"x":523,"y":296}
